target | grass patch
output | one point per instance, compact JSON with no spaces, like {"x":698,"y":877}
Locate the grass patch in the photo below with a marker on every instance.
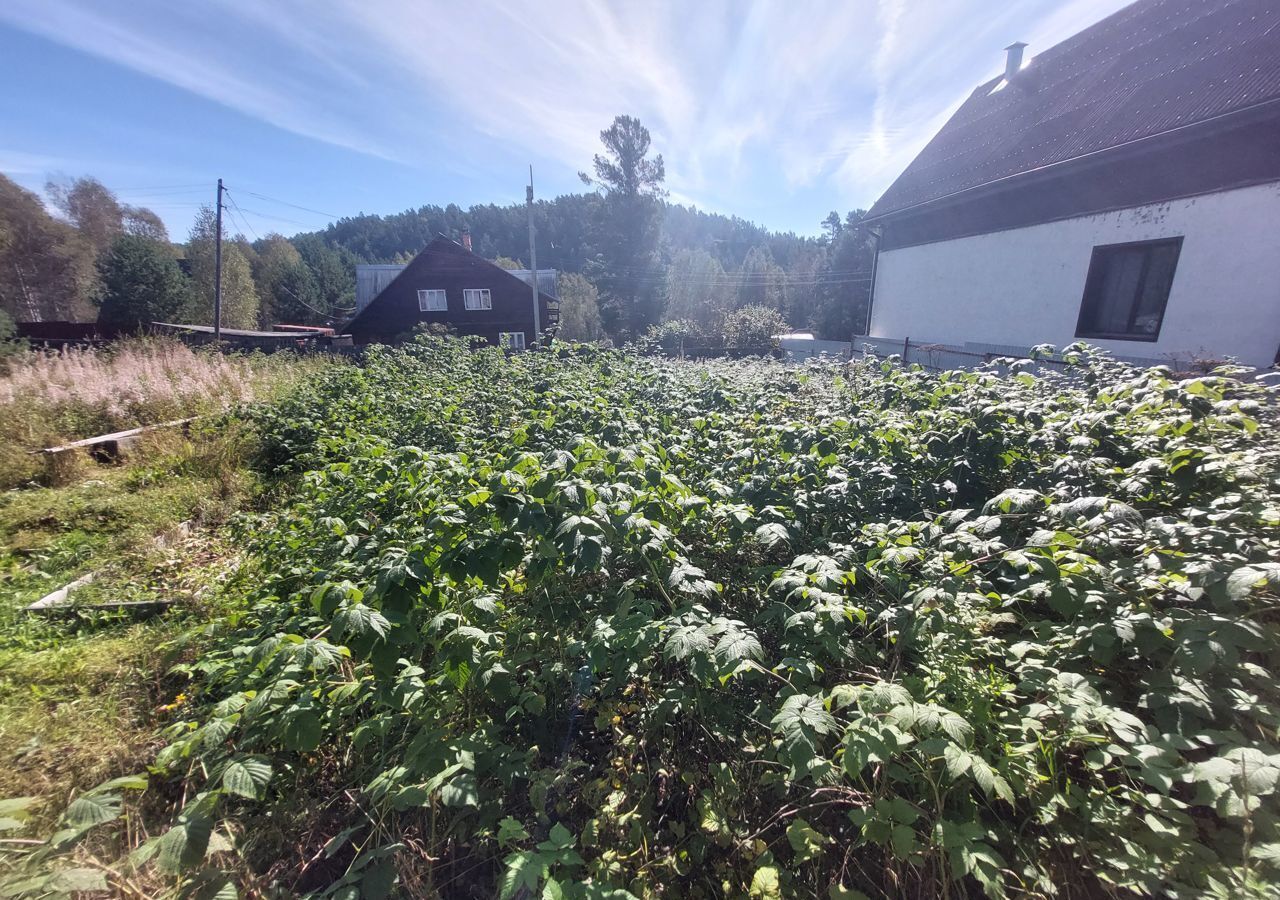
{"x":83,"y":691}
{"x":47,"y":399}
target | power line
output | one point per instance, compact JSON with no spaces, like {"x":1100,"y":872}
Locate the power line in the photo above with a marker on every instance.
{"x":276,"y":218}
{"x":161,"y":187}
{"x":242,"y":216}
{"x":294,"y":205}
{"x":662,"y":272}
{"x":237,"y":210}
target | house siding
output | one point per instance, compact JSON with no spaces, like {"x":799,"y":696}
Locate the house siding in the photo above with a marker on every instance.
{"x":393,"y":314}
{"x":1024,"y":286}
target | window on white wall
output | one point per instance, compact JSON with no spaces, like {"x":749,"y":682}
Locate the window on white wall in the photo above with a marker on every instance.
{"x":432,"y":301}
{"x":1127,"y":290}
{"x":511,"y":340}
{"x":477,"y":298}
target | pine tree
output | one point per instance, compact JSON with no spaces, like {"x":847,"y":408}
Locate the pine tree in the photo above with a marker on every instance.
{"x":628,"y":269}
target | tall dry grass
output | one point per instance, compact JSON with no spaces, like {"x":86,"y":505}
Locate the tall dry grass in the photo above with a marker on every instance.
{"x":48,"y":398}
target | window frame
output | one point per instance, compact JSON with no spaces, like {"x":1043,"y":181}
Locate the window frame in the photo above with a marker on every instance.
{"x":424,"y":297}
{"x":1089,"y":305}
{"x":502,"y":340}
{"x":485,"y":295}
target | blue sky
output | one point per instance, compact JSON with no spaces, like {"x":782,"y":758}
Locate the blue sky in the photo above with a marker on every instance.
{"x":776,"y":111}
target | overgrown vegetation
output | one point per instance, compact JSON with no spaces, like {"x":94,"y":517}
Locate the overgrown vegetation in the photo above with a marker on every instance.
{"x":586,"y":624}
{"x":47,"y":398}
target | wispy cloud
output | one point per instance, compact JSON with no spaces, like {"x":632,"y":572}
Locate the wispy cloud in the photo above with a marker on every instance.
{"x":738,"y":95}
{"x":17,"y":162}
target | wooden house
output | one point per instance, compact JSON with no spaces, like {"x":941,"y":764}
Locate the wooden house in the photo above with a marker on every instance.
{"x":449,"y":285}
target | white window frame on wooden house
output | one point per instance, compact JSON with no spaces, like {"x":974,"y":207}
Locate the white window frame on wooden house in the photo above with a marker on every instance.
{"x":434,"y":300}
{"x":477,"y":298}
{"x":511,"y":340}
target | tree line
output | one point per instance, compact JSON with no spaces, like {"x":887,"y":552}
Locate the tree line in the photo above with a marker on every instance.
{"x":632,"y":263}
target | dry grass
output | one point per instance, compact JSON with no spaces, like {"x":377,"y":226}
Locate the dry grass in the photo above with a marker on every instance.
{"x":49,"y":398}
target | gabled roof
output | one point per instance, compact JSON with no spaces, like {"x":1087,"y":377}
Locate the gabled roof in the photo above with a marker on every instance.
{"x":1152,"y":68}
{"x":372,"y":278}
{"x":439,"y":251}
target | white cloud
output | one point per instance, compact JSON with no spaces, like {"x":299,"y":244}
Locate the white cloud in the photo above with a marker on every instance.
{"x":738,"y":95}
{"x":16,"y":163}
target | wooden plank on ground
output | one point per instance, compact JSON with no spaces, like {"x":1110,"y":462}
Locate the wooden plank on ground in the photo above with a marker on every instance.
{"x":116,"y":436}
{"x":60,"y":597}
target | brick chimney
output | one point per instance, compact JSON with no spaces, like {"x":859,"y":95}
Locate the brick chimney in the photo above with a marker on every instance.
{"x":466,"y":239}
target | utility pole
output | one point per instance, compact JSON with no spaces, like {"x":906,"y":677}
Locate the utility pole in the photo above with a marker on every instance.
{"x":217,"y":273}
{"x":533,"y":260}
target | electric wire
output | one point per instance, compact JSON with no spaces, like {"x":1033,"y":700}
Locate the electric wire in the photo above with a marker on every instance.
{"x":236,"y":210}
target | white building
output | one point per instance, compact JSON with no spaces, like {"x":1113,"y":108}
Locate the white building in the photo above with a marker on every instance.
{"x":1123,"y":188}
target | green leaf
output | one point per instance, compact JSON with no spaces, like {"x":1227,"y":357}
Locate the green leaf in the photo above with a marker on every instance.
{"x":301,"y":731}
{"x":378,"y":880}
{"x":806,"y":842}
{"x":246,"y":776}
{"x":765,"y":884}
{"x":803,"y":711}
{"x":91,"y":809}
{"x":1244,"y":581}
{"x":124,"y":782}
{"x":184,"y":845}
{"x":772,"y":534}
{"x":82,"y":879}
{"x":461,"y":792}
{"x":989,"y":779}
{"x":903,"y":840}
{"x":685,"y":641}
{"x":738,"y":645}
{"x":1014,"y":500}
{"x":14,"y":812}
{"x":524,"y":869}
{"x":957,"y":759}
{"x":511,"y":831}
{"x":559,"y":838}
{"x":358,"y":620}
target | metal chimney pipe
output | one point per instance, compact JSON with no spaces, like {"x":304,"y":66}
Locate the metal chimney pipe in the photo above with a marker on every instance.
{"x":1013,"y":59}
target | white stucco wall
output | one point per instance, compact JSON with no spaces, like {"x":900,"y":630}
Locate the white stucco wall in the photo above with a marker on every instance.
{"x":1024,"y":286}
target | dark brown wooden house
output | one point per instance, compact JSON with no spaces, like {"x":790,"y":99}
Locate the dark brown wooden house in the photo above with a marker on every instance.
{"x":448,"y":284}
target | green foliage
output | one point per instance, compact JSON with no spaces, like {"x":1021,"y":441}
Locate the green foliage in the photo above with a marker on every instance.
{"x":582,"y":623}
{"x":43,"y":872}
{"x":46,"y":268}
{"x":698,"y":289}
{"x":241,"y":305}
{"x":579,"y":309}
{"x":289,"y":290}
{"x":140,"y":283}
{"x":753,"y":327}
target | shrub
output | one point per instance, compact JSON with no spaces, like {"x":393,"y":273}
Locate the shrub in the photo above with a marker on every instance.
{"x":582,"y":624}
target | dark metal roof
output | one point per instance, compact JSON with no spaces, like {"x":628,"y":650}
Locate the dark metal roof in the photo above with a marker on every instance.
{"x":1154,"y":67}
{"x":438,"y":253}
{"x":234,"y":332}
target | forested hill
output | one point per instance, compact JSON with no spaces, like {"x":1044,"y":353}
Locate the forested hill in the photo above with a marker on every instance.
{"x":698,"y":266}
{"x":635,"y":264}
{"x":565,"y":239}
